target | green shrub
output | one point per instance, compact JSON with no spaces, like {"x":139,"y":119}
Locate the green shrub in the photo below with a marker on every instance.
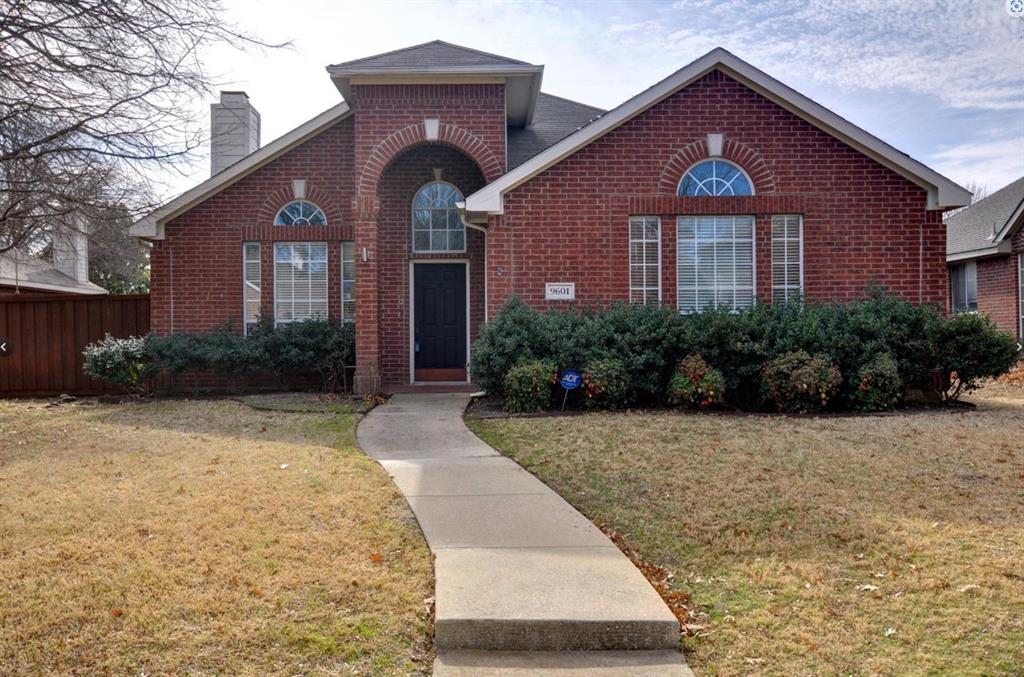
{"x":515,"y":334}
{"x":311,"y":346}
{"x":120,"y":361}
{"x":797,"y":382}
{"x":178,"y":354}
{"x":968,"y":348}
{"x":695,"y":384}
{"x":528,"y":384}
{"x":604,"y":384}
{"x":878,"y":384}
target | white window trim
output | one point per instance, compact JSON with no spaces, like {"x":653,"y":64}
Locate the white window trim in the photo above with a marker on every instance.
{"x":327,"y":279}
{"x":645,"y":289}
{"x":750,"y":181}
{"x":753,"y":258}
{"x":412,"y":222}
{"x":1020,"y":293}
{"x":301,"y":225}
{"x":952,"y":289}
{"x":246,"y":284}
{"x":345,"y":317}
{"x":788,"y":287}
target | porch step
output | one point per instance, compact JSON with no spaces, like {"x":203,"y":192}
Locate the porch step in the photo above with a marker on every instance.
{"x":560,"y":664}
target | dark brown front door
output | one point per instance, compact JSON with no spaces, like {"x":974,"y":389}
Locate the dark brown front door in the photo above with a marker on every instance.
{"x":439,"y":321}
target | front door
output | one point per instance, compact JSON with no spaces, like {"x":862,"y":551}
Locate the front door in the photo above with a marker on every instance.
{"x":439,"y":321}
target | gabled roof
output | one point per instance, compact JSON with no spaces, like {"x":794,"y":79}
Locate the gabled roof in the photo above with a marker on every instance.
{"x":151,"y":226}
{"x":429,"y":54}
{"x":986,"y":227}
{"x":942,"y":193}
{"x":32,"y":274}
{"x":553,"y":119}
{"x":443,"y":62}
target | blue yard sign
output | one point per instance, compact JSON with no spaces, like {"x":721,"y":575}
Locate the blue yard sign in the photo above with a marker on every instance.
{"x":571,"y":380}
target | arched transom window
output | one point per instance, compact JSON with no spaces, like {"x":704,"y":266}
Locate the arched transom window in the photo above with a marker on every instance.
{"x":436,"y":226}
{"x":300,"y":213}
{"x":714,"y":178}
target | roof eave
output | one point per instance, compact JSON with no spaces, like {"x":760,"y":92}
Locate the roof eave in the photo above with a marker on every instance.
{"x":151,"y":226}
{"x":1001,"y":249}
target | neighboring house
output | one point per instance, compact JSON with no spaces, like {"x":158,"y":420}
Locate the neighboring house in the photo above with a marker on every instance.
{"x":447,"y":182}
{"x":985,"y":253}
{"x":66,"y":273}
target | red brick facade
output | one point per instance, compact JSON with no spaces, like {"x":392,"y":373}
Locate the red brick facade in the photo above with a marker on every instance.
{"x":862,"y":222}
{"x":999,"y":288}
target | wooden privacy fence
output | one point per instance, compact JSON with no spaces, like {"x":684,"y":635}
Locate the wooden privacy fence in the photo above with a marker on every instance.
{"x":45,"y":335}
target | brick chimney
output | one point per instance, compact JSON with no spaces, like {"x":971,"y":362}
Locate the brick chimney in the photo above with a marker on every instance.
{"x":234,"y":130}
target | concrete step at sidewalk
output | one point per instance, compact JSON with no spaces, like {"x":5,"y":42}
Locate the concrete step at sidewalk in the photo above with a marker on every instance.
{"x":560,"y":664}
{"x":564,"y":598}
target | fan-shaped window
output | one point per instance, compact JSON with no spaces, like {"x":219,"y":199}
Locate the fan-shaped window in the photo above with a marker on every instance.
{"x":300,"y":213}
{"x":714,"y":178}
{"x":436,"y":226}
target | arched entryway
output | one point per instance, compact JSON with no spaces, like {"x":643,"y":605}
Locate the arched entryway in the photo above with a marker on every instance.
{"x":431,"y":267}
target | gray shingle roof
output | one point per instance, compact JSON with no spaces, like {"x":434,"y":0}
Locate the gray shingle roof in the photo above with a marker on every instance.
{"x":554,"y":118}
{"x":30,"y":273}
{"x":435,"y":53}
{"x":972,"y":228}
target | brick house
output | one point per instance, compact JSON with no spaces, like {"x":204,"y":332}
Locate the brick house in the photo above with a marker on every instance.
{"x":447,"y":182}
{"x":985,"y":252}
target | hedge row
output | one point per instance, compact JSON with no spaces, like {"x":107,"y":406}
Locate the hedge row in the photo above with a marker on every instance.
{"x":863,"y":355}
{"x":299,"y":350}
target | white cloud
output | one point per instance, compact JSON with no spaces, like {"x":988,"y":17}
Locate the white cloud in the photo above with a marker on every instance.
{"x":990,"y":165}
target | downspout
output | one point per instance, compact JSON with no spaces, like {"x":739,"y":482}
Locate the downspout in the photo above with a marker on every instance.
{"x":482,"y":229}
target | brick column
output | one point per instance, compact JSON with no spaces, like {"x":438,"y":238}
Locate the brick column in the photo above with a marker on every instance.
{"x":367,"y":212}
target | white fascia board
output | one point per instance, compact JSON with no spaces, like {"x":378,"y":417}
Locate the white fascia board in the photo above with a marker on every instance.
{"x":151,"y":226}
{"x":1001,"y":249}
{"x":510,"y":70}
{"x":942,"y":193}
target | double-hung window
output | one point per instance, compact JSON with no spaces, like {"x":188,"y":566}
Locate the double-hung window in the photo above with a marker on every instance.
{"x":348,"y":281}
{"x":300,"y":281}
{"x":250,"y":286}
{"x":645,"y":260}
{"x":787,"y":258}
{"x":714,"y":262}
{"x":964,"y":287}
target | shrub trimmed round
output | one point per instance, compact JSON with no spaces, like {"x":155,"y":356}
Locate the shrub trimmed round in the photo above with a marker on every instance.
{"x":604,"y":384}
{"x":799,"y":383}
{"x":695,"y":384}
{"x":528,"y":386}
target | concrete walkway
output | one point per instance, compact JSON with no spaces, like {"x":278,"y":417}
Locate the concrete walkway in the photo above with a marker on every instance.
{"x":517,"y":568}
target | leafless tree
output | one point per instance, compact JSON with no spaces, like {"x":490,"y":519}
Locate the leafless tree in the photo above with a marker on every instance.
{"x":978,"y":193}
{"x":94,"y":95}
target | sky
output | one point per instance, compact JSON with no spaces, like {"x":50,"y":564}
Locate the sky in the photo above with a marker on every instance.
{"x":940,"y":81}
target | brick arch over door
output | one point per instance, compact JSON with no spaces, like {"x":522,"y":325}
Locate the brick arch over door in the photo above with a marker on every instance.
{"x":281,"y":196}
{"x":746,"y":157}
{"x":414,"y":135}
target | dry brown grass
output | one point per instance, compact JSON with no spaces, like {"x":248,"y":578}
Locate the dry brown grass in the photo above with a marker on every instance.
{"x":169,"y":538}
{"x":843,"y":545}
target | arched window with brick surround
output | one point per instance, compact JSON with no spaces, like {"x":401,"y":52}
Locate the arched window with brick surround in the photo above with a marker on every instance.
{"x":436,"y":224}
{"x":714,"y":178}
{"x":300,"y":213}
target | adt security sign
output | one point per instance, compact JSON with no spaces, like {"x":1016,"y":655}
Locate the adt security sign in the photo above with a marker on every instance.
{"x":571,"y":380}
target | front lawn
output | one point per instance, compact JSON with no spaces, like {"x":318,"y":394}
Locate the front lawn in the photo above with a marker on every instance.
{"x":838,"y":545}
{"x":203,"y":537}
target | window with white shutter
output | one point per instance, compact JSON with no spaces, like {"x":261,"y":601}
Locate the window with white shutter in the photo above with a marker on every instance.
{"x":645,"y":260}
{"x":300,"y":281}
{"x":250,"y":286}
{"x":787,"y":257}
{"x":348,"y":281}
{"x":714,"y":262}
